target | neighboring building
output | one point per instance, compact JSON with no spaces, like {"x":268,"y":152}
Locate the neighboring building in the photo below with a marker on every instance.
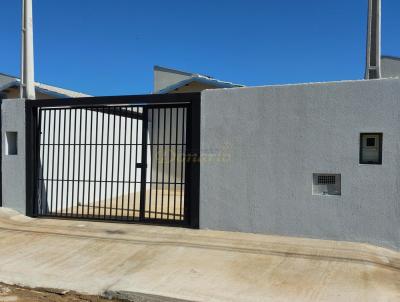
{"x":10,"y":89}
{"x":168,"y":80}
{"x":390,"y":67}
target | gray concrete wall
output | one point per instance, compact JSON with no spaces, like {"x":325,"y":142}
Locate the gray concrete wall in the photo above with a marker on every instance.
{"x":271,"y":141}
{"x":13,"y":166}
{"x":390,"y":67}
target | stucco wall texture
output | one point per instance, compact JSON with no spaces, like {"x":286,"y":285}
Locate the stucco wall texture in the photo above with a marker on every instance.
{"x":274,"y":138}
{"x":13,"y":166}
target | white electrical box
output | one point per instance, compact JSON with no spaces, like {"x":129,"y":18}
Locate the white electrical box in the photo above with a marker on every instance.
{"x":371,"y":148}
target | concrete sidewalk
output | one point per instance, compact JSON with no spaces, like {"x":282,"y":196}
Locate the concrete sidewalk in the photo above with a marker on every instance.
{"x":96,"y":258}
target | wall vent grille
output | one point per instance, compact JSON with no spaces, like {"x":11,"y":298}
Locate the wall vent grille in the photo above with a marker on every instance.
{"x":326,"y":180}
{"x":327,"y":184}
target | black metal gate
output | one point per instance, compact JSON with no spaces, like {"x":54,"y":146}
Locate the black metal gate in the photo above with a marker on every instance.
{"x":130,"y":159}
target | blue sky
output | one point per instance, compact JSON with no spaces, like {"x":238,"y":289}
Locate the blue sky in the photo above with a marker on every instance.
{"x":106,"y":47}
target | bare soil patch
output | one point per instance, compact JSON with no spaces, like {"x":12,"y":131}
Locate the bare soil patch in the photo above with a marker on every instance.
{"x":10,"y":293}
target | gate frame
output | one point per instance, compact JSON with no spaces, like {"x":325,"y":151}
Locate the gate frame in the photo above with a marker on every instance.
{"x":1,"y":152}
{"x":192,"y":177}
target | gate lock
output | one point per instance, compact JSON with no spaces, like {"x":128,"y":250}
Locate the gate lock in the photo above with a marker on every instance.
{"x":141,"y":166}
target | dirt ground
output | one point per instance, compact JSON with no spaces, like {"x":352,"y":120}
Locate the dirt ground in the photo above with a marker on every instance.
{"x":20,"y":294}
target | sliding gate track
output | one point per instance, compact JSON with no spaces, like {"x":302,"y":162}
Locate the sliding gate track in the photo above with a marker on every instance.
{"x":126,"y":159}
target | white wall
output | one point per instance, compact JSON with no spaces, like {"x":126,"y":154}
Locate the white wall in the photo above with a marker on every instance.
{"x":275,"y":138}
{"x":167,"y":126}
{"x":79,"y":163}
{"x":65,"y":163}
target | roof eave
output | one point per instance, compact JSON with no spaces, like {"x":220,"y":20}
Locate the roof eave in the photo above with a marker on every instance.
{"x":9,"y":85}
{"x":211,"y":82}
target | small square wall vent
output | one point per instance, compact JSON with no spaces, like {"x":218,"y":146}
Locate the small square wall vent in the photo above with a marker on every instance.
{"x":327,"y":184}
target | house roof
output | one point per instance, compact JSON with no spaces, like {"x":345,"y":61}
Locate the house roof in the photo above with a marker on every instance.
{"x":193,"y":77}
{"x":7,"y":81}
{"x":391,"y":57}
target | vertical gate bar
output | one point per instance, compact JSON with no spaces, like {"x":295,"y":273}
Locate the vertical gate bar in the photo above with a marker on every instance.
{"x":151,"y":160}
{"x":107,"y":153}
{"x":123,"y":164}
{"x":136,"y":154}
{"x":39,"y":166}
{"x":37,"y":120}
{"x":79,"y":161}
{"x":130,"y":168}
{"x":157,"y":157}
{"x":169,"y":160}
{"x":101,"y":160}
{"x":183,"y":163}
{"x":31,"y":150}
{"x":190,"y":161}
{"x":176,"y":158}
{"x":57,"y":179}
{"x":37,"y":181}
{"x":48,"y":162}
{"x":95,"y":162}
{"x":74,"y":160}
{"x":163,"y":164}
{"x":41,"y":160}
{"x":90,"y":163}
{"x":118,"y":161}
{"x":52,"y":159}
{"x":68,"y":161}
{"x":84,"y":163}
{"x":112,"y":165}
{"x":144,"y":163}
{"x":48,"y":177}
{"x":51,"y":178}
{"x":63,"y":162}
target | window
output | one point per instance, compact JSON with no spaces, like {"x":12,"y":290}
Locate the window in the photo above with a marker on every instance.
{"x":371,"y":148}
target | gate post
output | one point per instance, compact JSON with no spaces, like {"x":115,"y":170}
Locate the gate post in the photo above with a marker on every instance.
{"x":193,"y":166}
{"x":13,"y":155}
{"x":31,"y":158}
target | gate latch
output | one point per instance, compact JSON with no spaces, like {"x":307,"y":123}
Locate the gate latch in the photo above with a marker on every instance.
{"x":141,"y":165}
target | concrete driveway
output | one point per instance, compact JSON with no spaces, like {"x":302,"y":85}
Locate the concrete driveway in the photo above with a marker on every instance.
{"x":96,"y":258}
